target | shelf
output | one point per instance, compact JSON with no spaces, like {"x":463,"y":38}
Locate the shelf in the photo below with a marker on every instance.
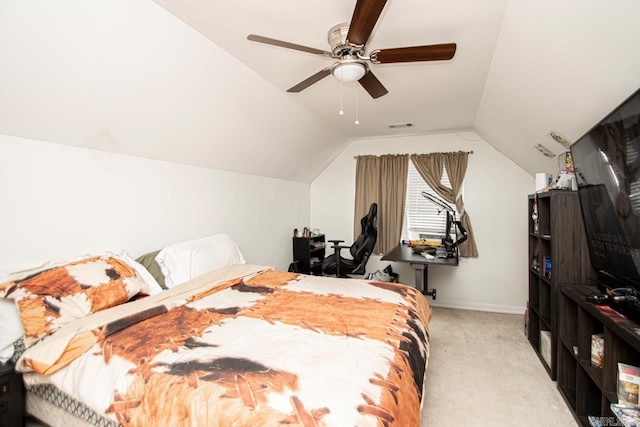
{"x":546,"y":320}
{"x":589,"y":390}
{"x":611,"y":397}
{"x":558,"y":255}
{"x":544,"y":364}
{"x":569,"y":344}
{"x":569,"y":394}
{"x":594,"y":373}
{"x":309,"y":252}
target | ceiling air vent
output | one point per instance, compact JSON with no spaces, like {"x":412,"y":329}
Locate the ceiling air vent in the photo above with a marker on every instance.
{"x":400,"y":125}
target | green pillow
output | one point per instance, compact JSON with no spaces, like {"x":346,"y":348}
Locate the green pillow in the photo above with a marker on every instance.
{"x":148,"y":261}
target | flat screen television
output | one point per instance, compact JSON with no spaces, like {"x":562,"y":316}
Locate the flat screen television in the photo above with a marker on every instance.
{"x":607,"y":168}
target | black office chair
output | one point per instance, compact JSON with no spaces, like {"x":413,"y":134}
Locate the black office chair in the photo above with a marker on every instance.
{"x":360,"y":250}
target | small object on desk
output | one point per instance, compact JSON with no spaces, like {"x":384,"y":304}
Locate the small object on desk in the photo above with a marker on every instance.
{"x":424,"y":242}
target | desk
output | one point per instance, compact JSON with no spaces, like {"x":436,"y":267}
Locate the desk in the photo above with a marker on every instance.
{"x":403,"y":253}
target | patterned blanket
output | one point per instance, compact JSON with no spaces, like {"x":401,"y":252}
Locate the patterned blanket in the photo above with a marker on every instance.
{"x":248,"y":346}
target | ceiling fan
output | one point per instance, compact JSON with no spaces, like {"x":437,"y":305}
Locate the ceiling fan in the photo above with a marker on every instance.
{"x":348,"y":42}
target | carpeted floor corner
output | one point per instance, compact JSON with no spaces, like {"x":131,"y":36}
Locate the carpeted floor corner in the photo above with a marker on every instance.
{"x":483,"y":372}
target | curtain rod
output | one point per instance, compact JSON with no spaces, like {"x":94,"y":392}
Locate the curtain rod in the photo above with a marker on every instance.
{"x":362,"y":155}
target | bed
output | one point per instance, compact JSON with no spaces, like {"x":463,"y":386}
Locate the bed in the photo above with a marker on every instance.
{"x":240,"y":345}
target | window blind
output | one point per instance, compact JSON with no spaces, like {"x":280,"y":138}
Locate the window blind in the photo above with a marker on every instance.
{"x":421,"y":216}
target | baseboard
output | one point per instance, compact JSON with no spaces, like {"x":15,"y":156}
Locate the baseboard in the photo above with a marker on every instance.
{"x":494,"y":308}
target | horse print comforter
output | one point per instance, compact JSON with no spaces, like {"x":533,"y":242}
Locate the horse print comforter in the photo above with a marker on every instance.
{"x":248,"y":346}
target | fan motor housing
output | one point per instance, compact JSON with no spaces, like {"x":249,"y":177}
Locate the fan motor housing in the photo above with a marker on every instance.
{"x":337,"y":38}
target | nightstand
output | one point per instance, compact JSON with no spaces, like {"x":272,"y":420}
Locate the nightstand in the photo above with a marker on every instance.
{"x":11,"y":397}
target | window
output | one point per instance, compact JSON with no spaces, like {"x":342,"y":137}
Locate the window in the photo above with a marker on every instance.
{"x":423,"y":218}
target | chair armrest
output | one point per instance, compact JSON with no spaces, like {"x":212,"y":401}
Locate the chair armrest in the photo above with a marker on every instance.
{"x":335,"y":242}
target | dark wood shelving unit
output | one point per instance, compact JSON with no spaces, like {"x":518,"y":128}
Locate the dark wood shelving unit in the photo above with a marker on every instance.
{"x":589,"y":390}
{"x":556,"y":236}
{"x":308,"y":253}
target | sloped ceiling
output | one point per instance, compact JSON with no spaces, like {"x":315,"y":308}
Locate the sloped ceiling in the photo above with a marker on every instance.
{"x":522,"y":68}
{"x":178,"y":81}
{"x":125,"y":76}
{"x":557,"y":65}
{"x":440,"y":96}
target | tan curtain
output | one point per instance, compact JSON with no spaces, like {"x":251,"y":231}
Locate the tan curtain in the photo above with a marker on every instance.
{"x":381,"y":179}
{"x":430,"y":168}
{"x":367,"y":190}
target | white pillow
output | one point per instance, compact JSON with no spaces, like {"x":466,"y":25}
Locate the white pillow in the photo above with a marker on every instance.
{"x":184,"y":261}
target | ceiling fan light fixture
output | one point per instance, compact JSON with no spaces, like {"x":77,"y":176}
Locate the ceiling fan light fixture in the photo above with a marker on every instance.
{"x":349,"y":70}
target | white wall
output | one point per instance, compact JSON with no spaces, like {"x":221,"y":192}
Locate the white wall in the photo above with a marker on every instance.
{"x":128,"y":77}
{"x":59,"y":201}
{"x":495,"y":197}
{"x":560,"y":65}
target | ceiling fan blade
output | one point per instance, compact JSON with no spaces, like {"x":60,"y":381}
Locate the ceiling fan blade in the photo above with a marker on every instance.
{"x":436,"y":52}
{"x":364,"y":18}
{"x":280,"y":43}
{"x":372,"y":85}
{"x":310,"y":80}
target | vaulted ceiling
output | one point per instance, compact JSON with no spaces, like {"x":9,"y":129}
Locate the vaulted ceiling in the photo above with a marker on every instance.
{"x":179,"y":81}
{"x":521,"y":68}
{"x":438,"y":96}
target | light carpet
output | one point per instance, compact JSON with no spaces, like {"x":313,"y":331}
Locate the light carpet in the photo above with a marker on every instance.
{"x":483,"y":372}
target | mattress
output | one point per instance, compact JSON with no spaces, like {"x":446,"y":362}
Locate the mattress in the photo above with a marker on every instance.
{"x":56,"y":409}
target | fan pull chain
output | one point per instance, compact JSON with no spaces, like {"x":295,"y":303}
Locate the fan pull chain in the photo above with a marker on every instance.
{"x":341,"y":112}
{"x":357,"y":120}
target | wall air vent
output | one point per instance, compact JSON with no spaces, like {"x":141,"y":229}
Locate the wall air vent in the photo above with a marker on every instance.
{"x":400,"y":125}
{"x":544,"y":150}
